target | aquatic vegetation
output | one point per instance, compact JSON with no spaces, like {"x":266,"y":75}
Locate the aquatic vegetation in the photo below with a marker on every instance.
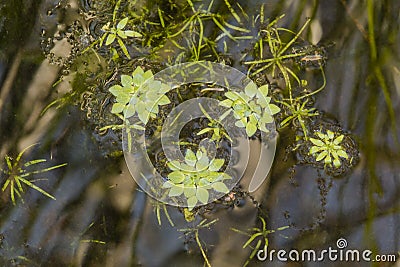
{"x":327,"y":147}
{"x":17,"y":174}
{"x":251,"y":108}
{"x":115,"y":32}
{"x":195,"y":231}
{"x":258,"y":235}
{"x":335,"y":143}
{"x":129,"y":102}
{"x":297,"y":113}
{"x":140,"y":104}
{"x":214,"y":126}
{"x":165,"y":37}
{"x":195,"y":177}
{"x":278,"y":53}
{"x":158,"y":206}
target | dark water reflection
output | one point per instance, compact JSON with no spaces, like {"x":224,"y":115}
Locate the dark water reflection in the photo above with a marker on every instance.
{"x":101,"y":219}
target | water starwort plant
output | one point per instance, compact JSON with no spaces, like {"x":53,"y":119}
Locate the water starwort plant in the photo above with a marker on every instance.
{"x":328,"y":148}
{"x":113,"y":33}
{"x":297,"y":112}
{"x":218,"y":132}
{"x":117,"y":33}
{"x":195,"y":177}
{"x":145,"y":104}
{"x":276,"y":63}
{"x":251,"y":108}
{"x":124,"y":92}
{"x":17,"y":175}
{"x":260,"y":235}
{"x":195,"y":231}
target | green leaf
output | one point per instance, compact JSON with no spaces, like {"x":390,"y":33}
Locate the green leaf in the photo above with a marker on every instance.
{"x":220,"y":187}
{"x":138,"y":71}
{"x":117,"y":108}
{"x":224,"y":176}
{"x":240,"y":124}
{"x":176,"y":190}
{"x":132,"y":34}
{"x":147,"y":75}
{"x":164,"y":100}
{"x":336,"y":163}
{"x":338,"y":139}
{"x":116,"y":90}
{"x":167,"y":184}
{"x":192,"y":201}
{"x":226,"y":103}
{"x":342,"y":153}
{"x":322,"y":136}
{"x":232,"y":95}
{"x":122,"y":23}
{"x":190,"y":158}
{"x":204,"y":182}
{"x":199,"y":154}
{"x":317,"y":142}
{"x":138,"y":79}
{"x":187,"y":168}
{"x":205,"y":130}
{"x":32,"y":162}
{"x":330,"y":134}
{"x":274,"y":109}
{"x":202,"y":195}
{"x":176,"y":177}
{"x":121,"y":34}
{"x":140,"y":107}
{"x":151,"y":96}
{"x":174,"y":165}
{"x":226,"y":113}
{"x":155,"y":86}
{"x":143,"y":116}
{"x":189,"y":191}
{"x":251,"y":129}
{"x":328,"y":159}
{"x":264,"y":90}
{"x":129,"y":111}
{"x":253,"y":119}
{"x":262,"y":127}
{"x":251,"y":89}
{"x":321,"y":155}
{"x":216,"y":164}
{"x":123,"y":98}
{"x":153,"y":110}
{"x":123,"y":47}
{"x":30,"y":184}
{"x":165,"y":88}
{"x":202,"y":162}
{"x":126,"y":80}
{"x":213,"y":176}
{"x":110,"y":39}
{"x":263,"y":101}
{"x":314,"y":149}
{"x":266,"y":118}
{"x":240,"y":106}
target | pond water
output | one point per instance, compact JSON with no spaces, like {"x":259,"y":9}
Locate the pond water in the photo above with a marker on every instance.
{"x":100,"y":217}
